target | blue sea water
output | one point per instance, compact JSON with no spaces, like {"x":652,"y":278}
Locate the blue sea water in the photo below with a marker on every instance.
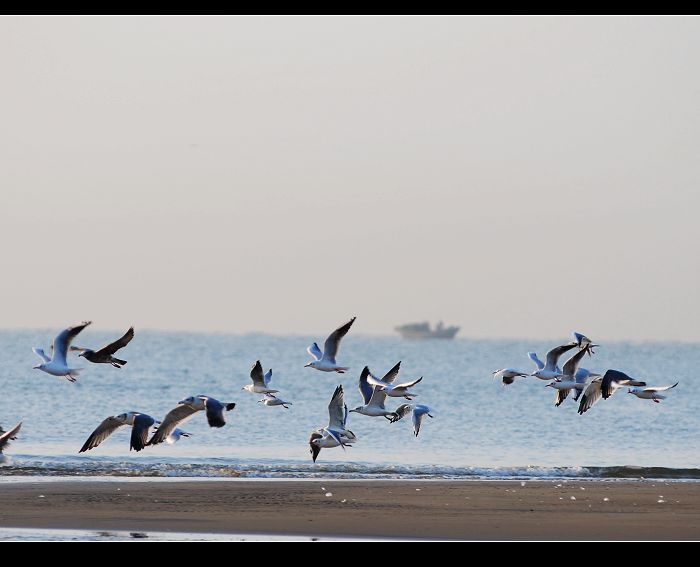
{"x":480,"y":429}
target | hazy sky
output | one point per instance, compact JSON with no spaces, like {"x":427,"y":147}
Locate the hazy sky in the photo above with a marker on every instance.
{"x":518,"y":177}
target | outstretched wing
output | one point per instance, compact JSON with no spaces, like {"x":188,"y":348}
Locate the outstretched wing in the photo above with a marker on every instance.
{"x":570,"y":366}
{"x":390,"y":376}
{"x":366,"y":389}
{"x":314,"y":351}
{"x":7,"y":436}
{"x":590,"y":396}
{"x":554,"y":354}
{"x":174,"y":417}
{"x":41,"y":354}
{"x":63,"y":341}
{"x":336,"y":410}
{"x":103,"y":430}
{"x":256,"y":374}
{"x":332,"y":344}
{"x":408,"y":384}
{"x":121,"y":342}
{"x":533,"y":356}
{"x":139,"y":431}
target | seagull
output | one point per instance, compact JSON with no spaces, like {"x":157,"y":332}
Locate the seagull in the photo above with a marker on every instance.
{"x":583,"y":341}
{"x":508,"y":375}
{"x":393,"y":390}
{"x":549,"y":370}
{"x":186,"y":409}
{"x":571,"y":378}
{"x":336,"y":434}
{"x":57,"y":366}
{"x":651,"y":392}
{"x":270,"y":400}
{"x":141,"y":424}
{"x":104,"y":355}
{"x":325,"y":361}
{"x":6,"y":437}
{"x":260,"y":381}
{"x":373,"y":397}
{"x":418,"y":412}
{"x":604,"y":387}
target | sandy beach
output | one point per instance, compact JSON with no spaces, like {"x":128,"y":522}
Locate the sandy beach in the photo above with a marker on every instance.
{"x":383,"y":509}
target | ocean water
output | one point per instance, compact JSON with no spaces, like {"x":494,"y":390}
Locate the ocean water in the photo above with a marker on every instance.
{"x":480,"y":429}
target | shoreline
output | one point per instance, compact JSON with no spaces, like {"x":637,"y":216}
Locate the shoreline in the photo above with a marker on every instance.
{"x":567,"y":509}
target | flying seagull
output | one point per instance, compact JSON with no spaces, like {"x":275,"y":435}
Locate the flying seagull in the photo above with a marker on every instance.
{"x":271,"y":400}
{"x":651,"y":392}
{"x":550,"y":371}
{"x":394,"y":390}
{"x":260,"y":381}
{"x":6,"y":437}
{"x":325,"y":361}
{"x":584,"y":342}
{"x":186,"y":409}
{"x":604,"y":387}
{"x":104,"y":355}
{"x":508,"y":375}
{"x":374,"y":398}
{"x":418,"y":412}
{"x":141,"y":424}
{"x":57,"y":365}
{"x":336,"y":434}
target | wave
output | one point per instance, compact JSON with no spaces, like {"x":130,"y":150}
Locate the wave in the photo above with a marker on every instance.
{"x":25,"y":465}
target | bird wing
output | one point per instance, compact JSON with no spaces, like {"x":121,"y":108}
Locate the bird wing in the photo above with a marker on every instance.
{"x":139,"y":431}
{"x":7,"y":436}
{"x":659,"y":388}
{"x":570,"y":366}
{"x":120,"y":343}
{"x":612,"y":379}
{"x":554,"y":354}
{"x":268,"y":376}
{"x":173,"y":418}
{"x":332,"y":344}
{"x":533,"y":356}
{"x":408,"y":384}
{"x":40,"y":353}
{"x":590,"y":396}
{"x":366,"y":389}
{"x":336,"y":409}
{"x":561,"y":396}
{"x":378,"y":397}
{"x":63,"y":341}
{"x":374,"y":381}
{"x":215,"y":412}
{"x":102,"y":431}
{"x":256,"y":374}
{"x":390,"y":376}
{"x":314,"y":351}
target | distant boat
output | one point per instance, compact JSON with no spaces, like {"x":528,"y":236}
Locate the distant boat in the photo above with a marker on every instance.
{"x":423,"y":331}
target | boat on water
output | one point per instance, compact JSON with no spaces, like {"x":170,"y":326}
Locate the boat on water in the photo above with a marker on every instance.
{"x":423,"y":331}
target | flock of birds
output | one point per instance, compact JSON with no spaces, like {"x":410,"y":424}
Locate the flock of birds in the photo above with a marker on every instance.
{"x":588,"y":386}
{"x":336,"y":434}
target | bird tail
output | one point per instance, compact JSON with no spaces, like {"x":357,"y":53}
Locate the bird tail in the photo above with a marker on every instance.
{"x":118,"y":361}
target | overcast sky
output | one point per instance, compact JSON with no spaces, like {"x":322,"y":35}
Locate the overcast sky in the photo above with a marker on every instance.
{"x":519,"y":177}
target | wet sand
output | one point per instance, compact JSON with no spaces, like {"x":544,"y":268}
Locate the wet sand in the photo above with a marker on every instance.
{"x":470,"y":510}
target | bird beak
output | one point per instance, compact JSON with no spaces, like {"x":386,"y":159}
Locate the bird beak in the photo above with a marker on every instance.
{"x":307,"y":365}
{"x":36,"y":367}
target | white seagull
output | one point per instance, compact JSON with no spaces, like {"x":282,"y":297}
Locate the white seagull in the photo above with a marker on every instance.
{"x":271,"y":400}
{"x":418,"y":412}
{"x":651,"y":392}
{"x":260,"y":380}
{"x":508,"y":375}
{"x":336,"y":434}
{"x":186,"y":409}
{"x":583,"y":341}
{"x":549,"y":370}
{"x":325,"y":361}
{"x":57,"y":365}
{"x":6,"y":437}
{"x":374,"y":398}
{"x":394,"y":390}
{"x":141,"y":424}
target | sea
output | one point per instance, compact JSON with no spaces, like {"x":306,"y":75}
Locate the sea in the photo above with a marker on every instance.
{"x":480,"y":429}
